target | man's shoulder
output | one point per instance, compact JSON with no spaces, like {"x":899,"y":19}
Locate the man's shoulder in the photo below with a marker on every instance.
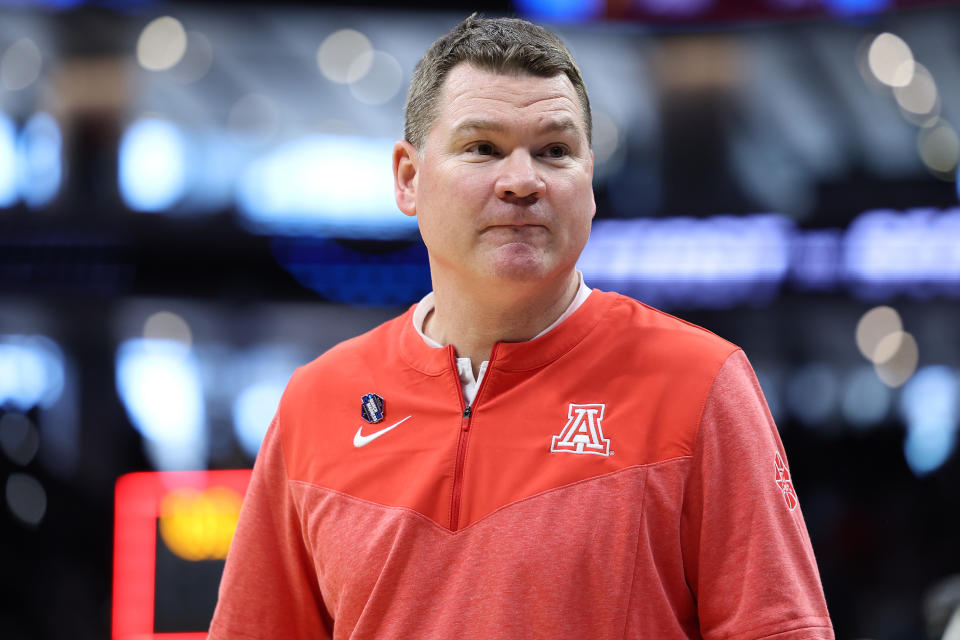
{"x":631,"y":321}
{"x":374,"y":348}
{"x":642,"y":341}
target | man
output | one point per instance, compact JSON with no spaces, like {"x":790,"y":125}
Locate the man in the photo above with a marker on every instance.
{"x":518,"y":456}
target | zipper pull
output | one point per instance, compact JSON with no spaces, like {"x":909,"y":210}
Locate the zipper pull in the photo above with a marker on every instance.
{"x":467,"y":412}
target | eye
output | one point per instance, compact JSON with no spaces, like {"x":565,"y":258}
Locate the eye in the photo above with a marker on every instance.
{"x":556,"y":151}
{"x":484,"y":149}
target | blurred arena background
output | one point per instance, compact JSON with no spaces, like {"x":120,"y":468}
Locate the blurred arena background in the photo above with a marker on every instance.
{"x":196,"y":198}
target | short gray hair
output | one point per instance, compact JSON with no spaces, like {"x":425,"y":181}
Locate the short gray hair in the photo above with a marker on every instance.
{"x":499,"y":45}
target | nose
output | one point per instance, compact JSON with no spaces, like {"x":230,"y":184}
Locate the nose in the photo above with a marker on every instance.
{"x":519,"y":181}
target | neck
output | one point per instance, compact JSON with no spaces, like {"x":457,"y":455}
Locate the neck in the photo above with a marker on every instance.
{"x":473,"y":318}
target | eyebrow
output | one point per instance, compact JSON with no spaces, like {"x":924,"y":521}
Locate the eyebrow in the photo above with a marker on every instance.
{"x":551,"y":126}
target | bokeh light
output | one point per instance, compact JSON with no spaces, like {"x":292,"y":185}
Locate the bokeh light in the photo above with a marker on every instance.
{"x":31,"y":372}
{"x":19,"y":438}
{"x":166,"y":325}
{"x":40,"y":167}
{"x":20,"y":65}
{"x":196,"y":60}
{"x":929,"y":405}
{"x":891,"y":60}
{"x":375,"y":77}
{"x":162,"y":44}
{"x":152,"y":165}
{"x":888,"y":347}
{"x":812,"y":394}
{"x":324,"y":185}
{"x":253,"y":410}
{"x":849,"y":8}
{"x":606,"y":137}
{"x":26,"y":498}
{"x":338,"y":53}
{"x":919,"y":96}
{"x":875,"y":325}
{"x":939,"y":147}
{"x":560,"y":10}
{"x":199,"y":525}
{"x":8,"y":161}
{"x":866,"y":400}
{"x":896,"y":369}
{"x":254,"y":119}
{"x":160,"y":386}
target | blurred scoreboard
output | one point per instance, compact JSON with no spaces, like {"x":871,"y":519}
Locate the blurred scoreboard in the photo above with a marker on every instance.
{"x":172,"y":531}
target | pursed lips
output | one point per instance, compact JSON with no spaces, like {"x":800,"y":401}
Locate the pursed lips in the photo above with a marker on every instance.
{"x":515,"y":226}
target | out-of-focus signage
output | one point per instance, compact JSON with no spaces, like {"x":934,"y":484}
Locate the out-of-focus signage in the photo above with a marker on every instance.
{"x":172,"y":532}
{"x":676,"y":11}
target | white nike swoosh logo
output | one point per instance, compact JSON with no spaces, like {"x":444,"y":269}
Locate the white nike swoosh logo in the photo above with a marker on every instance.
{"x":360,"y":440}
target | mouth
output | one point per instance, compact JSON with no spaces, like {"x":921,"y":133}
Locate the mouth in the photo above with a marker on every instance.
{"x":526,"y":234}
{"x":518,"y":226}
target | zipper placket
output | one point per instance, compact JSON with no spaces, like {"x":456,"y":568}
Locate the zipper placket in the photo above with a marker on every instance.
{"x":465,"y":418}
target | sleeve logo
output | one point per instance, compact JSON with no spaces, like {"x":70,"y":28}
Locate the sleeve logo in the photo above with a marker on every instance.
{"x":785,"y":483}
{"x":583,"y":432}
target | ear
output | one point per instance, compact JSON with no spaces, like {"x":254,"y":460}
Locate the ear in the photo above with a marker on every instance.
{"x":406,"y":162}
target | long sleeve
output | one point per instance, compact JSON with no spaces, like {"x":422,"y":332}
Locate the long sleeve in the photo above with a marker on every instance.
{"x":747,"y":554}
{"x":269,"y":587}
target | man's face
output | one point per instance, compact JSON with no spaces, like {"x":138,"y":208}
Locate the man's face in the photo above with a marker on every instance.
{"x":503,"y":188}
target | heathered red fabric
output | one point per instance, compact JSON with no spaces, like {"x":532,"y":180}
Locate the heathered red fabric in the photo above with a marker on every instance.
{"x":454,"y":527}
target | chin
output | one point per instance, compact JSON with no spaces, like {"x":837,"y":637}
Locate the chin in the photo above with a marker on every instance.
{"x":519,"y":263}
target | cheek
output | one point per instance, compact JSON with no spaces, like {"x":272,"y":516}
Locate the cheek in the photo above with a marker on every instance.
{"x":452,"y":185}
{"x":578,"y":203}
{"x":576,"y":195}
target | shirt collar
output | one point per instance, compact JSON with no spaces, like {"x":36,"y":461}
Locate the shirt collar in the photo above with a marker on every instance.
{"x":510,"y":356}
{"x":426,"y":305}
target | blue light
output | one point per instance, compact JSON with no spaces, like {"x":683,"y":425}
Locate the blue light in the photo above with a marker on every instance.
{"x":8,"y":162}
{"x":866,"y":400}
{"x":153,"y":172}
{"x":926,"y":449}
{"x":815,"y":260}
{"x":857,"y":7}
{"x":914,"y":252}
{"x":253,"y":409}
{"x":159,"y":384}
{"x":812,"y":395}
{"x":40,"y":167}
{"x":347,"y":275}
{"x":31,"y":372}
{"x":324,"y":185}
{"x":930,"y":406}
{"x":560,"y":10}
{"x":716,"y":263}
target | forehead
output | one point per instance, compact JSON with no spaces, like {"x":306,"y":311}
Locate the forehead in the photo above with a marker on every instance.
{"x":469,"y":93}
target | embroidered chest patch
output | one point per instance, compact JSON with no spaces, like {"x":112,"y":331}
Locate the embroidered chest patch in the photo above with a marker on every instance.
{"x":583,"y":432}
{"x":371,"y":408}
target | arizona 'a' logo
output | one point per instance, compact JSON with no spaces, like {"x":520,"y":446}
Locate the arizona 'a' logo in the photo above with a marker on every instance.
{"x":582,"y":433}
{"x":785,"y":483}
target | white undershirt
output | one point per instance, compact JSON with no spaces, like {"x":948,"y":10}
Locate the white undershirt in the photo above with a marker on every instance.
{"x":464,"y":365}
